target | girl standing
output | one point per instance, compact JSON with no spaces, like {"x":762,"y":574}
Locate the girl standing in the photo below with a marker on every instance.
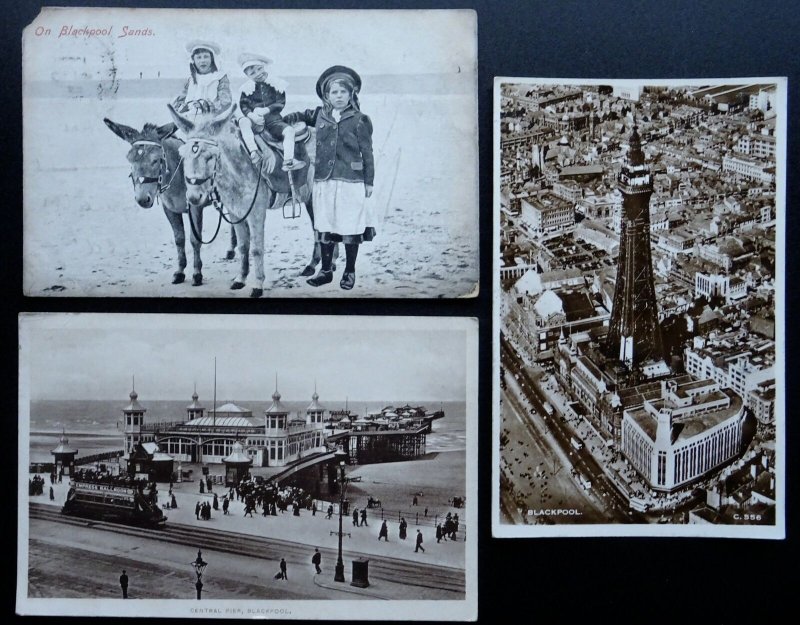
{"x":344,"y":171}
{"x":207,"y":90}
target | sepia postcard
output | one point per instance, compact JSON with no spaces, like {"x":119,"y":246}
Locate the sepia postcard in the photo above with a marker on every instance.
{"x":639,"y":282}
{"x":293,"y":153}
{"x":218,"y":466}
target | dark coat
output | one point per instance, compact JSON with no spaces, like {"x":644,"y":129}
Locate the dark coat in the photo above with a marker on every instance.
{"x":344,"y":149}
{"x":264,"y":96}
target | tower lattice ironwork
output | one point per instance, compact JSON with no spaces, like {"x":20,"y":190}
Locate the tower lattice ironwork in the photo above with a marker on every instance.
{"x":634,"y":335}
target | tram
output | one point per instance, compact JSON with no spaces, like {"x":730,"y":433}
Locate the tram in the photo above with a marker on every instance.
{"x":120,"y":503}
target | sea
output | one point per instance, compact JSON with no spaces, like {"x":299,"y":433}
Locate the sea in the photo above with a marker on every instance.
{"x":96,"y":426}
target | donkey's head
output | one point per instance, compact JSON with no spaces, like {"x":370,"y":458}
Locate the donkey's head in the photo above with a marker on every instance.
{"x":146,"y":156}
{"x":201,"y":153}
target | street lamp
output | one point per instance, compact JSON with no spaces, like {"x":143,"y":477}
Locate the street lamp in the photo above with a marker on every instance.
{"x":339,"y":569}
{"x":199,"y":566}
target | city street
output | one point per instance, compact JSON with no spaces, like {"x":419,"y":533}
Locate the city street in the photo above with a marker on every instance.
{"x":609,"y":504}
{"x":68,"y":560}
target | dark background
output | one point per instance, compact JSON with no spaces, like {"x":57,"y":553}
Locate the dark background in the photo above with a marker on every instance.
{"x":629,"y":580}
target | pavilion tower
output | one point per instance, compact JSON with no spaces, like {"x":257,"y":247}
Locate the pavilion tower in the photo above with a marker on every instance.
{"x":634,"y":335}
{"x":134,"y":420}
{"x":194,"y":410}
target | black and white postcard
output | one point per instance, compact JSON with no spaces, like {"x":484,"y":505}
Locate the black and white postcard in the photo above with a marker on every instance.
{"x":250,"y":153}
{"x":638,"y":307}
{"x":248,"y":466}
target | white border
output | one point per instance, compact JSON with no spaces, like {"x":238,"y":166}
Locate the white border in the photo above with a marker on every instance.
{"x":338,"y":609}
{"x":778,"y":531}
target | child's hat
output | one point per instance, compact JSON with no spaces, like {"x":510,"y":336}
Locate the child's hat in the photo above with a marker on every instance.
{"x":248,"y":59}
{"x":197,"y":44}
{"x":334,"y":73}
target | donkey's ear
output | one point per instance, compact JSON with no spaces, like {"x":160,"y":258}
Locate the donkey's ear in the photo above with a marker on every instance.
{"x":166,"y":130}
{"x":184,"y":124}
{"x":220,"y":120}
{"x":122,"y":131}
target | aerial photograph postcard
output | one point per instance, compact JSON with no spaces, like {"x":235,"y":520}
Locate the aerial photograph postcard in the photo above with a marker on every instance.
{"x":244,"y":466}
{"x":638,"y":306}
{"x":250,"y":153}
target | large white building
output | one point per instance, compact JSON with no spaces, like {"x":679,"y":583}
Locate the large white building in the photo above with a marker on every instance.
{"x":688,"y":431}
{"x":547,"y":214}
{"x":276,"y":439}
{"x":738,"y":363}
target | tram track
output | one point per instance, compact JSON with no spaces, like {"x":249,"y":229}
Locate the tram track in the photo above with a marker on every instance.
{"x":393,"y":570}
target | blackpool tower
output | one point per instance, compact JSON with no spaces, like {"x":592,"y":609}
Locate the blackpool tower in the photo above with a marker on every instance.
{"x":634,"y":335}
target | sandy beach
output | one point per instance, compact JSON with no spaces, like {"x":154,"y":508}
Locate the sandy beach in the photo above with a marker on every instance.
{"x":84,"y":235}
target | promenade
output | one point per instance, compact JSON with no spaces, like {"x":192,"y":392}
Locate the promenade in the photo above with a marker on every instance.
{"x":315,"y":530}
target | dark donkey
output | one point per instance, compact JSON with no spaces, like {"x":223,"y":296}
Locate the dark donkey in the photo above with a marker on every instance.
{"x":157,"y":172}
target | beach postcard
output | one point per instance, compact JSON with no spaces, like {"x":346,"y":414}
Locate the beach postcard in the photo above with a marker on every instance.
{"x":280,"y":467}
{"x":639,"y":289}
{"x":250,"y":153}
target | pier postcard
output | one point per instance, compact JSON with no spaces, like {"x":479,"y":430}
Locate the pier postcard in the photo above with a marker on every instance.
{"x":245,"y":466}
{"x":639,"y":382}
{"x":250,"y":153}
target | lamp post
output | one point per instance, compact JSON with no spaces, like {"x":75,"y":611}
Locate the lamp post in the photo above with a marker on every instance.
{"x":199,"y":566}
{"x":339,"y":569}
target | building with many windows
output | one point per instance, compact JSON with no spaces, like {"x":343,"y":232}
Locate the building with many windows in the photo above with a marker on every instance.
{"x":679,"y":437}
{"x":547,"y":214}
{"x":276,"y":439}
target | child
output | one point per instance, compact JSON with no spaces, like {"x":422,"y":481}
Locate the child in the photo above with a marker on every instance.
{"x":207,"y":90}
{"x":261,"y":102}
{"x":344,"y":171}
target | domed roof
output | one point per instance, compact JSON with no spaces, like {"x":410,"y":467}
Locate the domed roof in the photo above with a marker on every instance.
{"x":277,"y":407}
{"x":63,"y":446}
{"x":315,"y":405}
{"x":134,"y":405}
{"x":237,"y":455}
{"x":227,"y":421}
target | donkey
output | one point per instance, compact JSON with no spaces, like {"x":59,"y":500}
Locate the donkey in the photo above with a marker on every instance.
{"x":157,"y":173}
{"x":218,"y":171}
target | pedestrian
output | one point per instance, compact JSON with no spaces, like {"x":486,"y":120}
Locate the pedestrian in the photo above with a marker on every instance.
{"x":314,"y":508}
{"x":316,"y":560}
{"x":216,"y":502}
{"x":283,"y":569}
{"x":363,"y":517}
{"x":174,"y":501}
{"x":384,"y":532}
{"x":419,"y":542}
{"x":403,"y":527}
{"x":123,"y":582}
{"x":330,"y":511}
{"x":355,"y":517}
{"x":415,"y":501}
{"x":344,"y":173}
{"x":202,"y":487}
{"x":426,"y":513}
{"x":439,"y":533}
{"x":52,"y":494}
{"x":225,"y":503}
{"x":197,"y":511}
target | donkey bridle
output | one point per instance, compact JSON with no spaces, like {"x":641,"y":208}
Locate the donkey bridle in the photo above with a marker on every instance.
{"x":163,"y":168}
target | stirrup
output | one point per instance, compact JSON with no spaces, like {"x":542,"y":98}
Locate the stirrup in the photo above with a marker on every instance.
{"x":293,"y":165}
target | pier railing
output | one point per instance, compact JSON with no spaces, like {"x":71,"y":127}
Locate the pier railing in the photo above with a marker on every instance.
{"x":107,"y":455}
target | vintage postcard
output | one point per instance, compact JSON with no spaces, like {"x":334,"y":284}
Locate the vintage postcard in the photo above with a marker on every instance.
{"x":293,"y":153}
{"x":638,"y":307}
{"x":248,"y":467}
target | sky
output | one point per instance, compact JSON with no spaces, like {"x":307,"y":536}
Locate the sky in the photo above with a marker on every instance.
{"x":366,"y":358}
{"x":300,"y":42}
